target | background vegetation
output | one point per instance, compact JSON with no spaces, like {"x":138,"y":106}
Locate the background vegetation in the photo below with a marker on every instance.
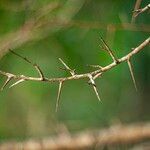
{"x":71,"y":31}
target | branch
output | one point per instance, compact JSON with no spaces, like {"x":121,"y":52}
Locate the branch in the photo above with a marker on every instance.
{"x":114,"y":136}
{"x":91,"y":75}
{"x":139,"y":11}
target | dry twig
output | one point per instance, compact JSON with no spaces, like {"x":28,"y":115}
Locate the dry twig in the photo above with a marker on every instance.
{"x":91,"y":75}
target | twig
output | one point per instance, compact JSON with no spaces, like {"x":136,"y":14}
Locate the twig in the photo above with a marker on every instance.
{"x":93,"y":74}
{"x":139,"y":11}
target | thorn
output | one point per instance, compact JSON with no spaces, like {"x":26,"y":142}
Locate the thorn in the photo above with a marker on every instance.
{"x":72,"y":72}
{"x":92,"y":82}
{"x":6,"y":82}
{"x":132,"y":74}
{"x":58,"y":95}
{"x":24,"y":58}
{"x":39,"y":71}
{"x":19,"y":81}
{"x":97,"y":75}
{"x":107,"y":48}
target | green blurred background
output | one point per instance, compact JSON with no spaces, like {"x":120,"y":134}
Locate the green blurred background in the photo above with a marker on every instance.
{"x":71,"y":31}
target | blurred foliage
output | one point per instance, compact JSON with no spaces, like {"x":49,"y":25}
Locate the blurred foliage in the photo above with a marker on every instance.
{"x":29,"y":108}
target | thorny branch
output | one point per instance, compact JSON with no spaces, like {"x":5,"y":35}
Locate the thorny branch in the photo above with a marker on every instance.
{"x":90,"y":75}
